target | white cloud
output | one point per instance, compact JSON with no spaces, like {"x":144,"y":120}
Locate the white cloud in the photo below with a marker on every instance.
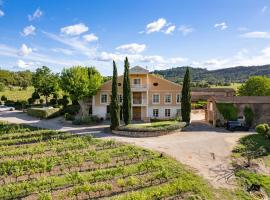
{"x":185,"y":30}
{"x":37,"y":14}
{"x":90,"y":37}
{"x":170,"y":30}
{"x":155,"y":26}
{"x":75,"y":29}
{"x":29,"y":30}
{"x":133,"y":48}
{"x":256,"y":34}
{"x":24,"y":50}
{"x":264,"y":9}
{"x":77,"y":44}
{"x":64,"y":51}
{"x":2,"y":13}
{"x":221,"y":25}
{"x":24,"y":65}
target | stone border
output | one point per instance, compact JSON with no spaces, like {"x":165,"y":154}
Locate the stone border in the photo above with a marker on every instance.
{"x":137,"y":134}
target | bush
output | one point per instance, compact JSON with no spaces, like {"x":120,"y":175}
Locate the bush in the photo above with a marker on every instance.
{"x":228,"y":111}
{"x":4,"y":98}
{"x":163,"y":120}
{"x":2,"y":87}
{"x":30,"y":101}
{"x":199,"y":104}
{"x":41,"y":101}
{"x":64,"y":101}
{"x":89,"y":120}
{"x":19,"y":105}
{"x":71,"y":109}
{"x":263,"y":129}
{"x":155,"y":127}
{"x":44,"y":113}
{"x":249,"y":116}
{"x":69,"y":117}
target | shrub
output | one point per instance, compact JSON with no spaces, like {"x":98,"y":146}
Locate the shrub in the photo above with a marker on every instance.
{"x":44,"y":113}
{"x":163,"y":120}
{"x":4,"y":98}
{"x":263,"y":129}
{"x":19,"y":105}
{"x":2,"y":87}
{"x":228,"y":111}
{"x":199,"y":104}
{"x":31,"y":101}
{"x":64,"y":101}
{"x":89,"y":120}
{"x":71,"y":109}
{"x":249,"y":116}
{"x":69,"y":117}
{"x":41,"y":101}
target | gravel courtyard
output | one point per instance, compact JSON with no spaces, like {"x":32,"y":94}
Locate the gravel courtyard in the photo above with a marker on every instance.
{"x":200,"y":146}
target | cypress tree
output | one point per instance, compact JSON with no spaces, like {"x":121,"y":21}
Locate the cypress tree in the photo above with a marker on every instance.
{"x":186,"y":98}
{"x":114,"y":106}
{"x":126,"y":94}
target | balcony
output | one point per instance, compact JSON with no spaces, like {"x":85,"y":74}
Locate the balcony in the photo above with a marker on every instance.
{"x":139,"y":87}
{"x":139,"y":102}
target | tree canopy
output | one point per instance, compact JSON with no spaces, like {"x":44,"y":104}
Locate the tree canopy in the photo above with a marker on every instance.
{"x":255,"y":86}
{"x":80,"y":82}
{"x":45,"y":82}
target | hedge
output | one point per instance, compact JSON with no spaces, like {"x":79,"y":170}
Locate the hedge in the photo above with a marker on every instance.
{"x":228,"y":111}
{"x":44,"y":113}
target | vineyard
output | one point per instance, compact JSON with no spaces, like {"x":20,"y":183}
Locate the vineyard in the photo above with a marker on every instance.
{"x":45,"y":164}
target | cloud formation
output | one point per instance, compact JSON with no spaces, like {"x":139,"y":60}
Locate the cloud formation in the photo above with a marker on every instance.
{"x":2,"y":13}
{"x":74,"y":30}
{"x":185,"y":30}
{"x":170,"y":30}
{"x":222,"y":26}
{"x":29,"y":30}
{"x":25,"y":50}
{"x":37,"y":14}
{"x":155,"y":26}
{"x":256,"y":34}
{"x":90,"y":37}
{"x":133,"y":48}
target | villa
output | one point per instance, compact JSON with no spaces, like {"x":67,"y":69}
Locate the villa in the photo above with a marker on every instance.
{"x":152,"y":96}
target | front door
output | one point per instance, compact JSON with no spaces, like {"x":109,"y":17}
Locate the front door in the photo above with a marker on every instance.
{"x":137,"y":113}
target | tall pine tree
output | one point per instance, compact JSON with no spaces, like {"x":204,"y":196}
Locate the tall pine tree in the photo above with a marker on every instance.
{"x":186,"y":98}
{"x":126,"y":95}
{"x":114,"y":106}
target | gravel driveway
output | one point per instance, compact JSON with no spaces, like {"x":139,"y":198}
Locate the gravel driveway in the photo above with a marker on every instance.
{"x":200,"y":146}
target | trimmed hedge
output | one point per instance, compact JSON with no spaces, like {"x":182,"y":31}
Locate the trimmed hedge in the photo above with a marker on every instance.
{"x":170,"y":127}
{"x":263,"y":129}
{"x":44,"y":113}
{"x":228,"y":111}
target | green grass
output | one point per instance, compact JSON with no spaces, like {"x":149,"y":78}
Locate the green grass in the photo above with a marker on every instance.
{"x":17,"y":94}
{"x":233,"y":85}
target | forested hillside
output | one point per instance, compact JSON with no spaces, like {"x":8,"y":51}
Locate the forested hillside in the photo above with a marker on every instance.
{"x":228,"y":75}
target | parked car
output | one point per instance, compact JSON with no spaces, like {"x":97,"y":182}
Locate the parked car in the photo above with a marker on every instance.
{"x":236,"y":126}
{"x":6,"y":108}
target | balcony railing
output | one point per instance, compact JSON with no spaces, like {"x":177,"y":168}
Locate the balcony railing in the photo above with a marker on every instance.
{"x":137,"y":101}
{"x":139,"y":86}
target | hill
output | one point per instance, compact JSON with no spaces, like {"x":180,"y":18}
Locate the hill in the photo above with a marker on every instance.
{"x":234,"y":74}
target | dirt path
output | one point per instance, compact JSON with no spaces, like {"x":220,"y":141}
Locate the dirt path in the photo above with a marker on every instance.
{"x":200,"y":146}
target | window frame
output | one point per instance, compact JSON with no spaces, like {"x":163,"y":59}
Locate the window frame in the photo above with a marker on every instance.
{"x":166,"y":114}
{"x":106,"y":98}
{"x":170,"y":99}
{"x":153,"y":98}
{"x":155,"y":114}
{"x":133,"y":81}
{"x":177,"y":98}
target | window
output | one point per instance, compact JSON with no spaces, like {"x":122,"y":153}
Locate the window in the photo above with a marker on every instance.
{"x":155,"y":84}
{"x":155,"y":98}
{"x":108,"y":109}
{"x":168,"y":98}
{"x":104,"y":98}
{"x":136,"y":81}
{"x":120,"y":97}
{"x":178,"y":98}
{"x":155,"y":112}
{"x":167,"y":112}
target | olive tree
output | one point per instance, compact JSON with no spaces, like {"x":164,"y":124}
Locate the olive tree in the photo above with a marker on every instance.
{"x":82,"y":83}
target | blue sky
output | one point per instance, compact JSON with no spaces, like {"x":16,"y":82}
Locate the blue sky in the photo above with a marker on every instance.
{"x":153,"y":33}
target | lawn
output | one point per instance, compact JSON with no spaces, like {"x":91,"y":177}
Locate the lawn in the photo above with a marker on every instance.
{"x":233,"y":85}
{"x":17,"y":94}
{"x":46,"y":164}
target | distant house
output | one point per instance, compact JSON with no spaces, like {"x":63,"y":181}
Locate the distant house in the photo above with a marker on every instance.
{"x":152,"y":96}
{"x":260,"y":106}
{"x":205,"y":93}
